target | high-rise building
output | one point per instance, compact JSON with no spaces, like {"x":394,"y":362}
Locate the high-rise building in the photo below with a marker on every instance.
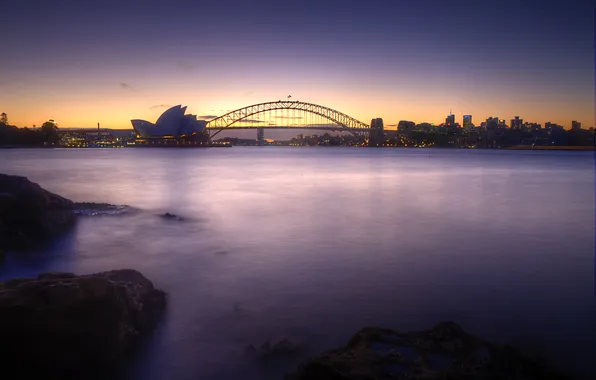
{"x":492,"y":123}
{"x":467,"y":123}
{"x":517,"y":123}
{"x":576,"y":125}
{"x":377,"y":135}
{"x":450,"y":120}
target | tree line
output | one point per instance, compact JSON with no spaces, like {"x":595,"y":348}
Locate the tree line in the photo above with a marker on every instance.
{"x":10,"y":135}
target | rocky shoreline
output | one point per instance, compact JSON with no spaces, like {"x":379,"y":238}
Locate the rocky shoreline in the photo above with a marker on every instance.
{"x":30,"y":215}
{"x":64,"y":326}
{"x":445,"y":351}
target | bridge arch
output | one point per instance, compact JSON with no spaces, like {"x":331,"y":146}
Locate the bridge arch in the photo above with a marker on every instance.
{"x":343,"y":121}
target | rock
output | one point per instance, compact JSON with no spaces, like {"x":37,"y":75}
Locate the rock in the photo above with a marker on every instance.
{"x":93,"y":209}
{"x":62,"y":326}
{"x":283,"y":347}
{"x":167,"y":215}
{"x":29,"y":214}
{"x":444,"y":352}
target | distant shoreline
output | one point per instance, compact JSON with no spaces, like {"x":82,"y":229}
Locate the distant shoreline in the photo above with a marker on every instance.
{"x":515,"y":147}
{"x":550,"y":147}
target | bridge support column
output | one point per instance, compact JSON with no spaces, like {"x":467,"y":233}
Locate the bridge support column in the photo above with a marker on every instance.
{"x":260,"y":136}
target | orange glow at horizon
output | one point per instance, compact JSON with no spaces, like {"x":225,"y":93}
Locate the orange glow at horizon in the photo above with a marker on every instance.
{"x":83,"y":105}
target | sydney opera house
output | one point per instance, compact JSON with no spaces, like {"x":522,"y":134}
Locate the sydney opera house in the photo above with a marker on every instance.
{"x":173,"y":127}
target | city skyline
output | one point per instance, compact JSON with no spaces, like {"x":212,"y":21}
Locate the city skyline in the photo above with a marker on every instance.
{"x":111,"y":63}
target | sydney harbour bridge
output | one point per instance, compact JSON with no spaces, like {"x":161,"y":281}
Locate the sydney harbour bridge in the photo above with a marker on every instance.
{"x":294,"y":114}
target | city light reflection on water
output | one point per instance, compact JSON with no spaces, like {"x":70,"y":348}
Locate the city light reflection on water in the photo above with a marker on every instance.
{"x":314,"y":243}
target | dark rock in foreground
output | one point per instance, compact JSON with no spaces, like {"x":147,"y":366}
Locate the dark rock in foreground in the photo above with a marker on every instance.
{"x":29,"y":214}
{"x":443,"y":352}
{"x":60,"y":325}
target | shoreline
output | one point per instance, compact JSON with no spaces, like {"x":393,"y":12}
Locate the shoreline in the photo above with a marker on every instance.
{"x":552,"y":147}
{"x":581,"y":148}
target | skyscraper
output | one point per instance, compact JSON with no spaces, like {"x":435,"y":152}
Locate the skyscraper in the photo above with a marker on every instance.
{"x":492,"y":123}
{"x":450,"y":120}
{"x":467,"y":123}
{"x":517,"y":123}
{"x":576,"y":125}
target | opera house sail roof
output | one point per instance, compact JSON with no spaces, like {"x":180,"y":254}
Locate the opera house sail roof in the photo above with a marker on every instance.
{"x":172,"y":123}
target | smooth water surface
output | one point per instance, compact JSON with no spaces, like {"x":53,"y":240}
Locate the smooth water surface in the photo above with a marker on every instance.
{"x":314,"y":243}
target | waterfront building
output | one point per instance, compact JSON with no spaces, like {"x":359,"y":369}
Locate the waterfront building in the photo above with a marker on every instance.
{"x":173,"y":127}
{"x":377,"y":132}
{"x":405,"y":126}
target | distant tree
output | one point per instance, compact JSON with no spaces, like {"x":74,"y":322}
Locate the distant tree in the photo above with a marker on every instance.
{"x":49,"y":129}
{"x":4,"y":118}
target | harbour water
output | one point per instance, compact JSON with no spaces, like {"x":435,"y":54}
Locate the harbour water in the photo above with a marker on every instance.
{"x":312,"y":244}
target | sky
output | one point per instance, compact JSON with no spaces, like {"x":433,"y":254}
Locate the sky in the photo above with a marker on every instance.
{"x":87,"y":62}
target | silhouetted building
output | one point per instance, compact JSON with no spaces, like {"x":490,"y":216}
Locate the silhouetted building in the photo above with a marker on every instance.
{"x":450,"y":120}
{"x":423,"y":127}
{"x":405,"y":126}
{"x":552,"y":126}
{"x":492,"y":123}
{"x":576,"y":125}
{"x":531,"y":127}
{"x":467,"y":123}
{"x":377,"y":135}
{"x":170,"y":128}
{"x":517,"y":123}
{"x":260,"y":136}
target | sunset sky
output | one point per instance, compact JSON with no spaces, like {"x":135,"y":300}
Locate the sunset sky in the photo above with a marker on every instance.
{"x":81,"y":62}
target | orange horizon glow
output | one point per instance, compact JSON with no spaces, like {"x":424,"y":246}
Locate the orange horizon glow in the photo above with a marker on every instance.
{"x":117,"y":112}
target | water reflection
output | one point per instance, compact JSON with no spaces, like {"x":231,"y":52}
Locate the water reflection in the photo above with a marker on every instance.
{"x":313,"y":244}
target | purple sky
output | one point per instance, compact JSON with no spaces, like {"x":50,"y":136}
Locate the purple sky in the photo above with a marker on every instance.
{"x":81,"y":63}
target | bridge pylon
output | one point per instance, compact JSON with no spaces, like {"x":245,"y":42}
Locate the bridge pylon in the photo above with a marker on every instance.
{"x":376,"y":137}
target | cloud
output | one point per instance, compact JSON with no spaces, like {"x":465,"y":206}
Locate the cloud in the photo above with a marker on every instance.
{"x":391,"y":125}
{"x":126,"y":86}
{"x":159,"y":106}
{"x":187,"y":65}
{"x":207,"y":117}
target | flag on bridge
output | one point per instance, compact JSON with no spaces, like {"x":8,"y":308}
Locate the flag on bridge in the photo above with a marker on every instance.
{"x":289,"y":96}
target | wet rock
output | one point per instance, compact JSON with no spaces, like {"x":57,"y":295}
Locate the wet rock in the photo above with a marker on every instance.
{"x":444,"y":352}
{"x":62,"y":326}
{"x":167,"y":215}
{"x":280,"y":348}
{"x":29,"y":214}
{"x":93,"y":209}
